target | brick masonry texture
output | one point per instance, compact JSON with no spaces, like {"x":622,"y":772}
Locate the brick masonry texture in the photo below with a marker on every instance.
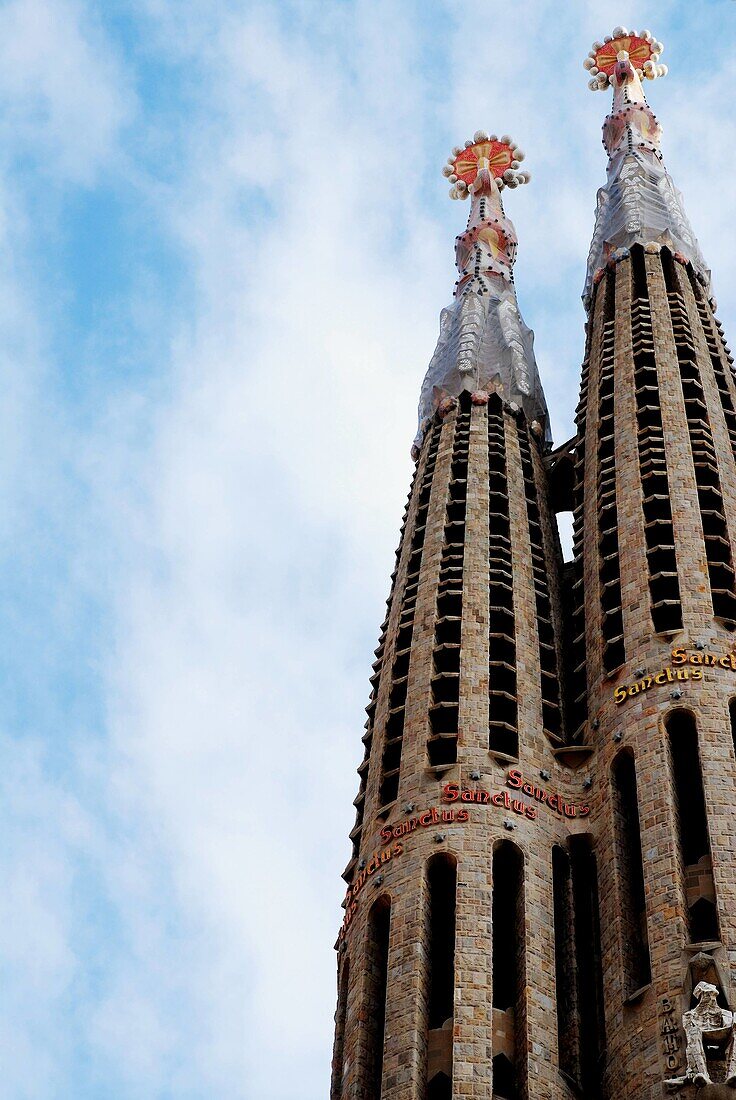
{"x":635,"y":1059}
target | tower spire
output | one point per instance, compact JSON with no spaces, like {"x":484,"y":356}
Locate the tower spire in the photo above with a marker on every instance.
{"x":640,"y":203}
{"x":484,"y":344}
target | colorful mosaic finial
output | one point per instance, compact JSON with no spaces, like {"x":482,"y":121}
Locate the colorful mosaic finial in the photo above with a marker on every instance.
{"x":485,"y":160}
{"x":614,"y":60}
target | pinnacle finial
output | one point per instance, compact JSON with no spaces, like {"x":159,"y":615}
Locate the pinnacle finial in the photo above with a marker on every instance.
{"x":481,"y":162}
{"x":621,"y":54}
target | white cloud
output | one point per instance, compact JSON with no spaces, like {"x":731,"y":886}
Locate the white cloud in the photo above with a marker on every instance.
{"x":63,"y":98}
{"x":240,"y":696}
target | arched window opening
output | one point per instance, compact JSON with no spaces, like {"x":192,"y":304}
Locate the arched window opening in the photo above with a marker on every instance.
{"x":568,"y":1028}
{"x":379,"y":925}
{"x":340,"y":1019}
{"x":692,"y":827}
{"x":732,"y":715}
{"x":509,"y":965}
{"x":629,"y":865}
{"x":442,"y":876}
{"x":441,"y":890}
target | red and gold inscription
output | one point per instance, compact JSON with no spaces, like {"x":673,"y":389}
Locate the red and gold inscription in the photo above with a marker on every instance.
{"x":685,"y":666}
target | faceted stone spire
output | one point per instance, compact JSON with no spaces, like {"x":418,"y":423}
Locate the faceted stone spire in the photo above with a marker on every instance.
{"x":484,"y":345}
{"x":640,"y":203}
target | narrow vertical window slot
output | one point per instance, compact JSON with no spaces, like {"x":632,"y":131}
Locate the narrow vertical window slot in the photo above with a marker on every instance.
{"x":376,"y":969}
{"x":576,"y":678}
{"x":444,"y":705}
{"x":589,"y":967}
{"x":692,"y":827}
{"x":508,"y":973}
{"x":503,"y":735}
{"x":705,"y":459}
{"x":630,"y":873}
{"x":664,"y":585}
{"x":394,"y":729}
{"x":441,"y":893}
{"x":568,"y":1024}
{"x":550,"y":680}
{"x":609,"y":570}
{"x":718,"y":353}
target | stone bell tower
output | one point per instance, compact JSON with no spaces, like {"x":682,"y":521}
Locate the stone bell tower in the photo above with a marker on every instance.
{"x":447,"y":955}
{"x":541,"y":897}
{"x":655,"y":523}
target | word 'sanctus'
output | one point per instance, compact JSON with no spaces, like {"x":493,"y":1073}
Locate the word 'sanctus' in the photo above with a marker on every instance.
{"x":695,"y":663}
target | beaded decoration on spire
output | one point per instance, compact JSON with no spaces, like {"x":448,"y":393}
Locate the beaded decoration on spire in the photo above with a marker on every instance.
{"x":484,"y":345}
{"x":639,"y":204}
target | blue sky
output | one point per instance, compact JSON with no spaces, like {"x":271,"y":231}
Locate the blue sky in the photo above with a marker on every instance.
{"x":224,"y":245}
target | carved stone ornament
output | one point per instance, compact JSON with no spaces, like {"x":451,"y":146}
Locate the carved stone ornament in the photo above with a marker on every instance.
{"x":707,"y":1026}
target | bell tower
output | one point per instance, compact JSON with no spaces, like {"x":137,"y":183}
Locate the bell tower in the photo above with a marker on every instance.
{"x":655,"y":528}
{"x":447,"y":955}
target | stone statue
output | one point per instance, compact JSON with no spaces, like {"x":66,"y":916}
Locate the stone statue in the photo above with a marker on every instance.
{"x":706,"y":1022}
